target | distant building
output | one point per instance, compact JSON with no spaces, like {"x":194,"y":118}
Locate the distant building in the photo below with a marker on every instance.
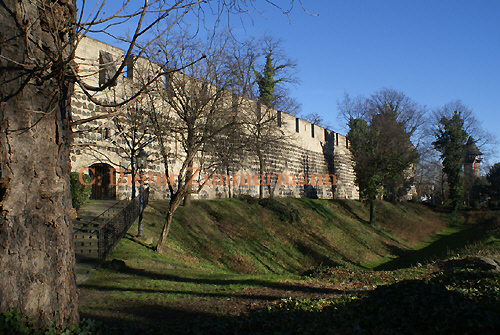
{"x":472,"y":169}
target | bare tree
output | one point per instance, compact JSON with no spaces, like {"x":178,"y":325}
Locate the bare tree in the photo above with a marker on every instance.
{"x":316,"y":119}
{"x":264,"y":131}
{"x":38,"y":40}
{"x":133,"y":135}
{"x":406,"y":111}
{"x":273,"y":75}
{"x":263,"y":123}
{"x":38,"y":71}
{"x":428,"y":174}
{"x":430,"y":165}
{"x":194,"y":110}
{"x":351,"y":107}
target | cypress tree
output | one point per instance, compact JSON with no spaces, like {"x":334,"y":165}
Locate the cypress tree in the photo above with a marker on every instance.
{"x":267,"y":82}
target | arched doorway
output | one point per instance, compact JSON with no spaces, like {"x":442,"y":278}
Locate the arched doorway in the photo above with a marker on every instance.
{"x":104,"y":186}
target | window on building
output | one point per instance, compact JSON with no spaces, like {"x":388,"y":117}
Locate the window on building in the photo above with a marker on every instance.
{"x":278,"y":116}
{"x":128,"y":70}
{"x":107,"y":68}
{"x":312,"y":130}
{"x":337,"y":139}
{"x":297,"y":124}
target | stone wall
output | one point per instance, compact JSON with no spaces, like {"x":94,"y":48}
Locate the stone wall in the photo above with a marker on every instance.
{"x":311,"y":151}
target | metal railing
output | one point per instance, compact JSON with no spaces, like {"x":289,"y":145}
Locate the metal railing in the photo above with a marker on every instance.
{"x":110,"y":233}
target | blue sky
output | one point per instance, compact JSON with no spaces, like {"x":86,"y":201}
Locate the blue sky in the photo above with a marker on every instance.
{"x":433,"y":51}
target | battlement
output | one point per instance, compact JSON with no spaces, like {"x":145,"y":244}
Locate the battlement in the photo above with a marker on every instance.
{"x":312,"y":151}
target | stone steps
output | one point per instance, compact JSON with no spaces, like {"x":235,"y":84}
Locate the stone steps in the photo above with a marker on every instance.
{"x":86,"y":236}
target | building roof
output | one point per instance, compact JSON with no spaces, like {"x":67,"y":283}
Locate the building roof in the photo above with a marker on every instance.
{"x":473,"y":150}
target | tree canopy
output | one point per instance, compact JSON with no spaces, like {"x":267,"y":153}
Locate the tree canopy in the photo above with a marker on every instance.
{"x":493,"y":178}
{"x":380,"y":129}
{"x":451,"y":142}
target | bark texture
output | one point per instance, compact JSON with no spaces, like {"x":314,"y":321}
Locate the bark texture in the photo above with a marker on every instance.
{"x":36,"y":241}
{"x":172,"y":207}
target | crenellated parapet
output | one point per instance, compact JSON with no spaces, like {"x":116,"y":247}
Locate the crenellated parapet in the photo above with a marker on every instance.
{"x":313,"y":161}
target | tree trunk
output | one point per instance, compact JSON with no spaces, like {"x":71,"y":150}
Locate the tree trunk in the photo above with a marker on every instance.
{"x":132,"y":173}
{"x":188,"y":183}
{"x":393,"y":192}
{"x":229,"y":183}
{"x":372,"y":210}
{"x":36,"y":238}
{"x":187,"y":198}
{"x":442,"y":189}
{"x":261,"y":172}
{"x":172,"y":207}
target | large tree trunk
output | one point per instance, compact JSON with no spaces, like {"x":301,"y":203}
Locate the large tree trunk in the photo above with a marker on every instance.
{"x":229,"y":183}
{"x":36,"y":240}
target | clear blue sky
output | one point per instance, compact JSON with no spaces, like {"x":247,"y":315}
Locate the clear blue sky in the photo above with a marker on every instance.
{"x":433,"y":51}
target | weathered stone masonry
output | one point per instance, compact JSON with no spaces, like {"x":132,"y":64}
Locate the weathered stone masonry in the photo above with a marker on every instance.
{"x":312,"y":150}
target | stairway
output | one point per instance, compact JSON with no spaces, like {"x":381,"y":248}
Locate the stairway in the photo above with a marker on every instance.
{"x":86,"y":230}
{"x":86,"y":234}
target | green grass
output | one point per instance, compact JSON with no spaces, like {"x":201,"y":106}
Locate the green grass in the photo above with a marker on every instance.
{"x":243,"y":238}
{"x":290,"y":236}
{"x":217,"y":249}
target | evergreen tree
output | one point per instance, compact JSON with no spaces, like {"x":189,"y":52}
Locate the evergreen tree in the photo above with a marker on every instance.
{"x":262,"y":125}
{"x":367,"y":164}
{"x":493,"y":178}
{"x":266,"y":81}
{"x":379,"y":141}
{"x":451,"y":141}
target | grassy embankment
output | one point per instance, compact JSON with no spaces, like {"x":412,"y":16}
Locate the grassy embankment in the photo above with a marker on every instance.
{"x":223,"y":254}
{"x":290,"y":236}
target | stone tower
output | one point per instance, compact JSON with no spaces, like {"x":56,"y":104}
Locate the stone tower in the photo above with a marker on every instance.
{"x":472,"y":168}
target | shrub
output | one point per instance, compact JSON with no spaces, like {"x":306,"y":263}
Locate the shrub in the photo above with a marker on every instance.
{"x":13,"y":322}
{"x":249,"y":199}
{"x":80,"y":193}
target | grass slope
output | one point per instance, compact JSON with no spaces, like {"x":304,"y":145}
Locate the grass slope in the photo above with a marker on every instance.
{"x":227,"y":258}
{"x":282,"y":236}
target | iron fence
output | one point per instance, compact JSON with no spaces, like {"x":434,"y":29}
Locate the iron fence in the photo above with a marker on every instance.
{"x":115,"y":229}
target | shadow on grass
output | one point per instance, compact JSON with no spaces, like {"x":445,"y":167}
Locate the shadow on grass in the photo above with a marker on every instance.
{"x":437,"y":249}
{"x":318,"y":207}
{"x":345,"y":205}
{"x":149,"y":275}
{"x":406,"y":307}
{"x":134,"y":239}
{"x":468,"y":234}
{"x":152,"y":318}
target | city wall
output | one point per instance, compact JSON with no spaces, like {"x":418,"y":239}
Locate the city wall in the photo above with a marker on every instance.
{"x":311,"y":151}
